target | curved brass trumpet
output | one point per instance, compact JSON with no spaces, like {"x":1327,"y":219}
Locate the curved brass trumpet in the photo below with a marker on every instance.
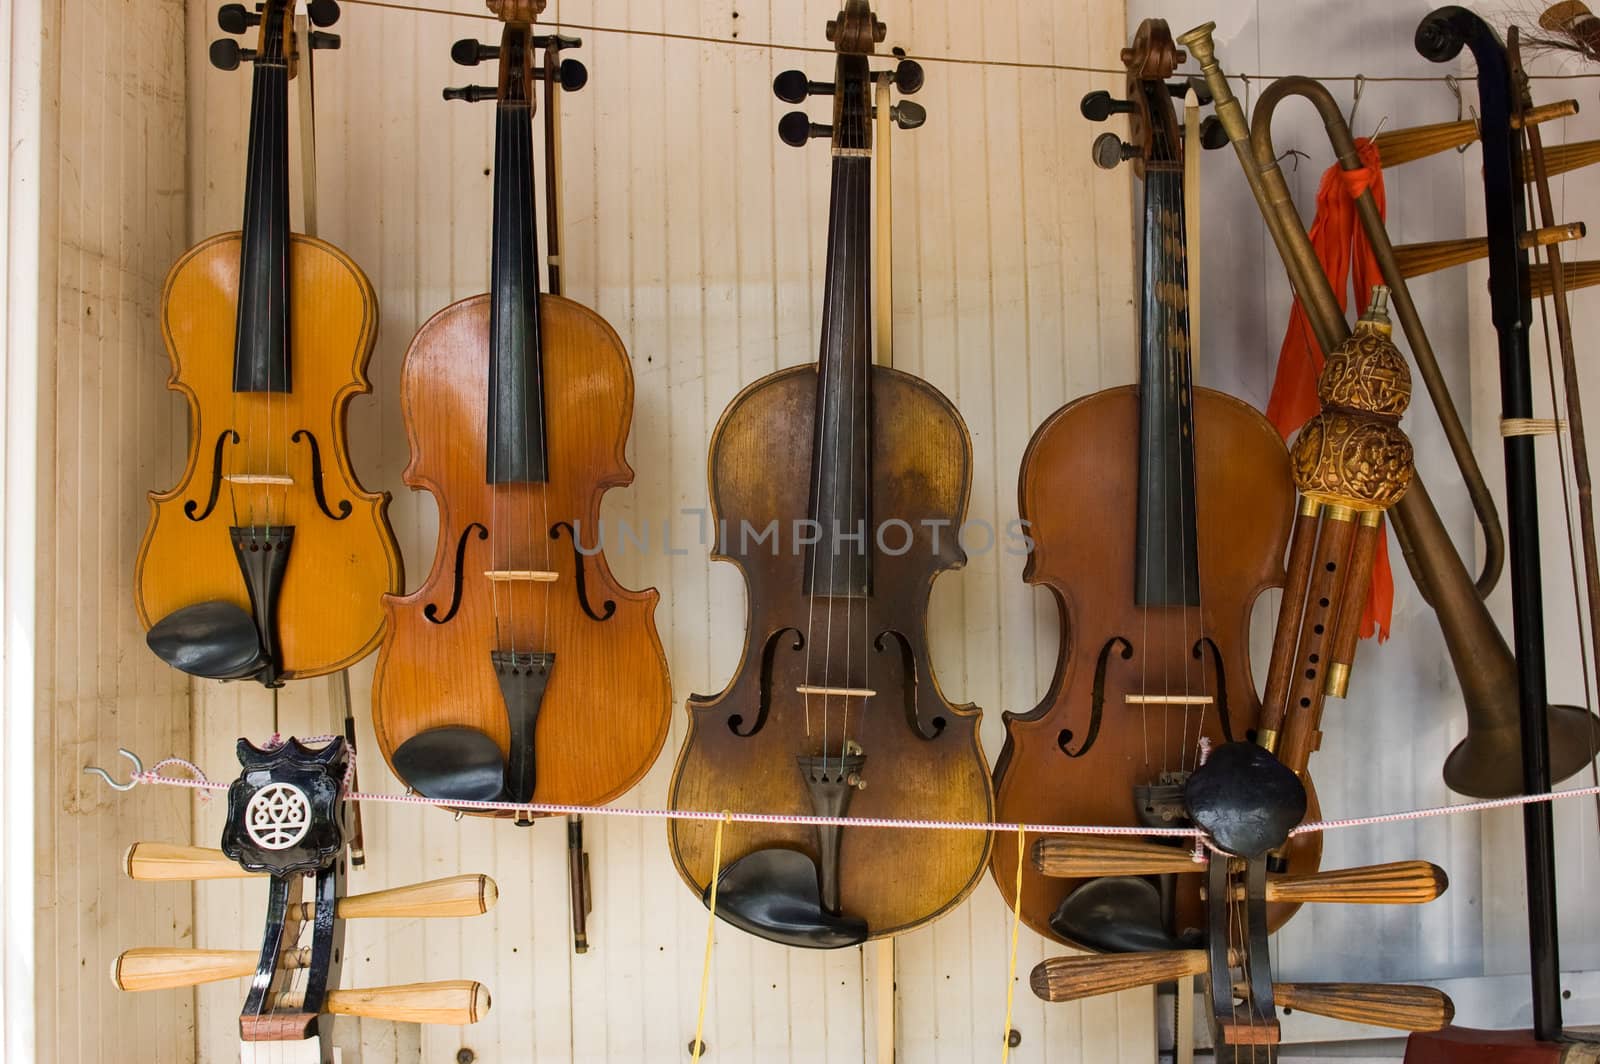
{"x":1487,"y":762}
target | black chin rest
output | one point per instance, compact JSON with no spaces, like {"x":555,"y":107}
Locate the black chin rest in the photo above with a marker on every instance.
{"x":214,"y":640}
{"x":1245,"y":799}
{"x":452,"y":764}
{"x":1115,"y":914}
{"x":774,"y":894}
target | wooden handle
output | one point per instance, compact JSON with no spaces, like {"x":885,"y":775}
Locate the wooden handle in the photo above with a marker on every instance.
{"x":453,"y":1002}
{"x":1398,"y":146}
{"x":167,"y":861}
{"x":1071,"y":978}
{"x":1407,"y":1008}
{"x":161,"y":968}
{"x":466,"y":895}
{"x":1086,"y":856}
{"x":1397,"y":883}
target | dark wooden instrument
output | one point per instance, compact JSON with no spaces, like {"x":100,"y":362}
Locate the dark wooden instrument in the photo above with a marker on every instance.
{"x":1159,"y":513}
{"x":267,"y":560}
{"x":287,"y":823}
{"x":1525,"y":746}
{"x":834,"y":709}
{"x":520,"y":670}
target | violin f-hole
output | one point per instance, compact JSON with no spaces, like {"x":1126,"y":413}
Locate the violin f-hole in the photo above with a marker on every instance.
{"x":316,"y":477}
{"x":225,"y":437}
{"x":769,"y":652}
{"x":609,"y":606}
{"x":908,"y":663}
{"x":1206,"y":642}
{"x":1097,"y":702}
{"x":431,"y":610}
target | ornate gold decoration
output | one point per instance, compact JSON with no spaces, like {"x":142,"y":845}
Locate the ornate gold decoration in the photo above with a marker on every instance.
{"x":1354,"y":453}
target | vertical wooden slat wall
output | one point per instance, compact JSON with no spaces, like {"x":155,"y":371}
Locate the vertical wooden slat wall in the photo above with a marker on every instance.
{"x":111,"y":222}
{"x":700,"y":237}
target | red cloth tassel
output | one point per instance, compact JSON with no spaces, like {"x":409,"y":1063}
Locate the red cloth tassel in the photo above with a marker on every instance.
{"x":1341,"y":246}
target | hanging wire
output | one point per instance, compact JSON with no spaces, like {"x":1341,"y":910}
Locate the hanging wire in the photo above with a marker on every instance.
{"x":1012,"y":64}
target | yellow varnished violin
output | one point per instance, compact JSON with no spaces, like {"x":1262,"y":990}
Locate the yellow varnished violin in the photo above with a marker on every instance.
{"x":267,"y":560}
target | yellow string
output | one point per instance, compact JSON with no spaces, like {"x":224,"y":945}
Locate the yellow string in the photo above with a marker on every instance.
{"x":711,"y":935}
{"x":1016,"y":926}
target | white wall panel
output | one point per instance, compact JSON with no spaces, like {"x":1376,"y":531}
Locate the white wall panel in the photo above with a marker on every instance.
{"x":110,"y":223}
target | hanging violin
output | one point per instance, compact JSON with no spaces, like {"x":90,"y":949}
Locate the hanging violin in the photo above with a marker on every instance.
{"x":520,"y":670}
{"x":834,"y":709}
{"x":1159,"y":512}
{"x":267,"y":560}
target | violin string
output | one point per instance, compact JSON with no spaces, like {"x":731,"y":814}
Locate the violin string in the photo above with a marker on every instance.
{"x":528,"y":315}
{"x":857,"y":309}
{"x":542,"y":535}
{"x":1191,"y":424}
{"x":868,"y":305}
{"x":1146,"y":548}
{"x":505,"y":617}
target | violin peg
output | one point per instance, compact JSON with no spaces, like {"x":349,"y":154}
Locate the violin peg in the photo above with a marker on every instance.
{"x":572,"y":75}
{"x":323,"y":13}
{"x":321,"y":39}
{"x":908,"y":76}
{"x":1087,"y":856}
{"x":1397,"y":883}
{"x":1072,"y":978}
{"x":1110,"y":150}
{"x":908,"y":115}
{"x":470,"y":93}
{"x":469,"y":52}
{"x":559,"y":41}
{"x":796,"y":127}
{"x":792,"y":86}
{"x":235,"y":18}
{"x":227,"y":55}
{"x":453,"y":1002}
{"x":464,"y":895}
{"x":163,"y":862}
{"x":1099,"y":105}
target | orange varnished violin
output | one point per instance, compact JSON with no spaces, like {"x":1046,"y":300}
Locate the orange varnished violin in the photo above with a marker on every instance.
{"x":267,"y":561}
{"x":831,"y":483}
{"x":1159,"y":512}
{"x":520,"y":670}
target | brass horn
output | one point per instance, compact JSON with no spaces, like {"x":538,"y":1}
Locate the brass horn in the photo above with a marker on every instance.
{"x":1487,"y":763}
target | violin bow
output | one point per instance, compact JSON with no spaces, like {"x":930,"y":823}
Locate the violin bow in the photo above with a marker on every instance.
{"x":287,"y":823}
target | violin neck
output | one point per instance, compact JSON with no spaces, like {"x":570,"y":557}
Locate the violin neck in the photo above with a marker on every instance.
{"x":839,"y":564}
{"x":1166,"y":573}
{"x":261,"y":341}
{"x":516,"y":432}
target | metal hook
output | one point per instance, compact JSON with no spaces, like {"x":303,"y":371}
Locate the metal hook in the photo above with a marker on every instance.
{"x":1453,"y":83}
{"x":133,"y":781}
{"x":1355,"y":104}
{"x":1295,"y":155}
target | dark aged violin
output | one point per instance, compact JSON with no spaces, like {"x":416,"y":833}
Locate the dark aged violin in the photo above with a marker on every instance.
{"x":520,"y":670}
{"x":834,"y":709}
{"x":1191,"y":501}
{"x":267,"y":561}
{"x":287,"y":825}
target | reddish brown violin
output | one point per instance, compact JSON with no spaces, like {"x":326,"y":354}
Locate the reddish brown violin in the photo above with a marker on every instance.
{"x":831,"y":483}
{"x":521,"y":670}
{"x":1160,"y":511}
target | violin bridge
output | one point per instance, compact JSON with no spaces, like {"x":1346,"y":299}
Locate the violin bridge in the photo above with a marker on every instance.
{"x":1168,"y":700}
{"x":841,"y":692}
{"x":259,"y":478}
{"x":512,"y":576}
